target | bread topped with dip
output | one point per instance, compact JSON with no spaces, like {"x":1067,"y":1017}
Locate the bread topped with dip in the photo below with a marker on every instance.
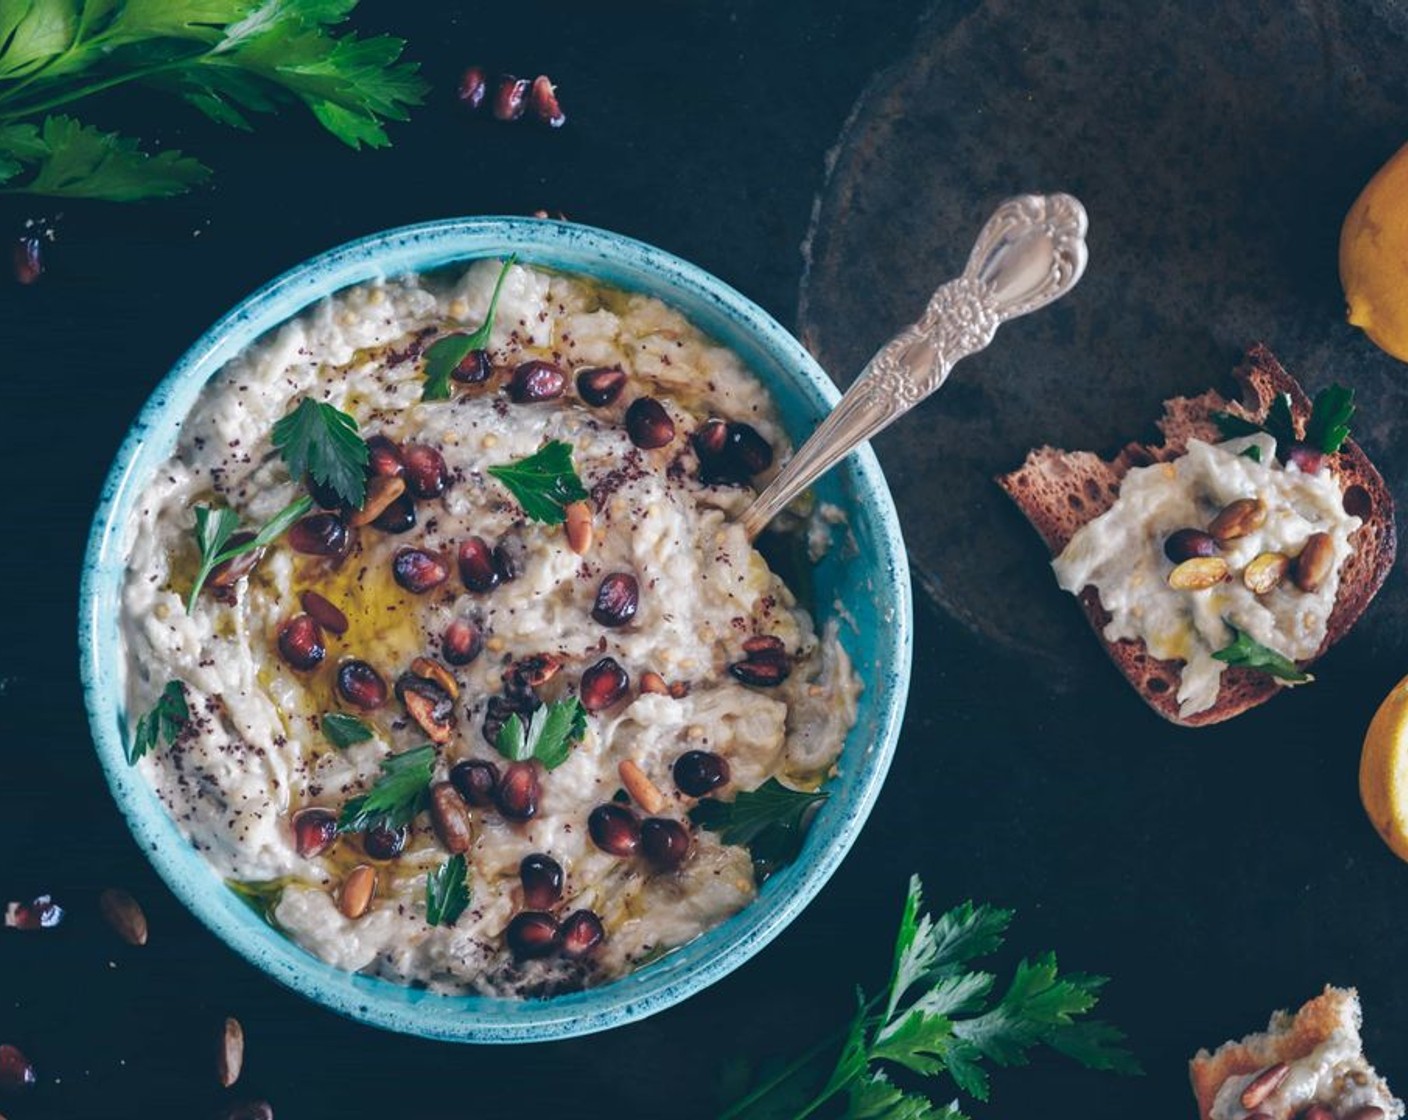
{"x":1306,"y":1066}
{"x":1218,"y":565}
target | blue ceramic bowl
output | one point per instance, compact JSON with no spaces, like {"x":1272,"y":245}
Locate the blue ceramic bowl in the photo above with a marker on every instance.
{"x":872,"y":581}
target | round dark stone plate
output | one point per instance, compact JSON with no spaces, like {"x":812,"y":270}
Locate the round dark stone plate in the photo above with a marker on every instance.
{"x":1217,"y":148}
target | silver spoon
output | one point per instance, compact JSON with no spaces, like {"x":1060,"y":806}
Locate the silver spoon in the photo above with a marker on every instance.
{"x":1031,"y":252}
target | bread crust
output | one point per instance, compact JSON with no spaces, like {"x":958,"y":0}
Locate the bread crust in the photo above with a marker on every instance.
{"x":1287,"y":1038}
{"x":1060,"y":491}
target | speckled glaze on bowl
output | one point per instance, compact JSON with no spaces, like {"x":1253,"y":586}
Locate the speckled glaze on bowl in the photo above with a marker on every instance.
{"x":870,"y":580}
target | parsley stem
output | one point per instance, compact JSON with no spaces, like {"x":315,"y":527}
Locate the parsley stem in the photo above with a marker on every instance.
{"x":740,"y":1108}
{"x":92,"y":88}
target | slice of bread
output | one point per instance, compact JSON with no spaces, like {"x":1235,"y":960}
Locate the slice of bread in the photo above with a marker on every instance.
{"x":1330,"y":1020}
{"x":1059,"y":491}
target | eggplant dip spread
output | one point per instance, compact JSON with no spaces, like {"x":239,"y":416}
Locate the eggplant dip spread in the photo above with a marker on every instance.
{"x":444,"y":648}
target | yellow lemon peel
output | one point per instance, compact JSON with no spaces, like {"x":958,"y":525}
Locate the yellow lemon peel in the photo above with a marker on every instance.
{"x":1383,"y":770}
{"x":1374,"y":257}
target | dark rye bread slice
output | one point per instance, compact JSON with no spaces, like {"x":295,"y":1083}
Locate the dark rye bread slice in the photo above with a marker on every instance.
{"x":1059,"y":491}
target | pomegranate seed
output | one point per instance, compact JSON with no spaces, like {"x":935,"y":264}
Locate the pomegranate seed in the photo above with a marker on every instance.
{"x":533,"y":671}
{"x":384,"y":457}
{"x":474,"y":368}
{"x":477,"y":781}
{"x":614,"y":829}
{"x":710,"y":438}
{"x":41,"y":913}
{"x":542,"y":881}
{"x":324,"y":613}
{"x":543,"y":98}
{"x":398,"y":517}
{"x":581,"y":933}
{"x":537,"y":381}
{"x":747,"y":448}
{"x":616,"y":599}
{"x":729,"y":454}
{"x":472,"y":88}
{"x":418,"y":571}
{"x":426,"y":473}
{"x":1307,"y":458}
{"x":319,"y":534}
{"x":16,"y":1071}
{"x":600,"y":386}
{"x":762,"y":671}
{"x":648,"y":424}
{"x":603,"y":684}
{"x":381,"y":841}
{"x":229,"y":572}
{"x":28,"y":259}
{"x":500,"y":708}
{"x":361,"y":685}
{"x":510,"y":98}
{"x":301,"y":642}
{"x":700,"y":772}
{"x":478,"y":572}
{"x":509,"y":558}
{"x":314,"y":831}
{"x":429,"y":704}
{"x":764,"y":643}
{"x":1185,"y":544}
{"x":517,"y":795}
{"x":665,"y":842}
{"x":462,"y":642}
{"x":532,"y":934}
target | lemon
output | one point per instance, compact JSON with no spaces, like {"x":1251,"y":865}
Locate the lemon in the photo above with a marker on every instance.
{"x":1374,"y":257}
{"x":1383,"y":770}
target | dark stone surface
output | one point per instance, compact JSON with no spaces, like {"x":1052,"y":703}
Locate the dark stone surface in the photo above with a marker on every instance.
{"x":1213,"y":876}
{"x":1216,"y":148}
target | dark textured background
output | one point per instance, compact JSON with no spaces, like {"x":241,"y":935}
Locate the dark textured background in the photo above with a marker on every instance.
{"x":1214,"y":875}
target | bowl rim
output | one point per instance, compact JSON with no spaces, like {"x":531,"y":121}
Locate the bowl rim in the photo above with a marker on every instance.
{"x":417,"y":248}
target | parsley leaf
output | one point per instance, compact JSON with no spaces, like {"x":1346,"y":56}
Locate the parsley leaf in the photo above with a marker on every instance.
{"x":165,"y":721}
{"x":1326,"y":430}
{"x":1253,"y":453}
{"x":215,"y":527}
{"x":1233,"y":426}
{"x":321,"y":441}
{"x":544,"y":483}
{"x":1328,"y":426}
{"x":947,"y":1028}
{"x":73,"y":160}
{"x":399,"y":794}
{"x":447,"y":891}
{"x":342,"y":730}
{"x":768,"y":820}
{"x":1248,"y":653}
{"x":548,"y":737}
{"x":445,"y":354}
{"x":226,"y":58}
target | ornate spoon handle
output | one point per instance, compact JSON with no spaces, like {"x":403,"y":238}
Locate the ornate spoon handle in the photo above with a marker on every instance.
{"x":1030,"y":252}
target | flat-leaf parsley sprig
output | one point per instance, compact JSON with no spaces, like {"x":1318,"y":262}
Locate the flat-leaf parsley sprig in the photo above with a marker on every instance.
{"x":215,"y":527}
{"x":936,"y":1016}
{"x":545,"y":483}
{"x":548,"y":737}
{"x":166,"y":720}
{"x":324,"y":444}
{"x":398,"y":795}
{"x":445,"y":354}
{"x":229,"y":59}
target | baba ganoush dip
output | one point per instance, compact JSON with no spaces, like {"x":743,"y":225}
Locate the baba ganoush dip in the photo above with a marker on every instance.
{"x":1277,"y":519}
{"x":474,"y":716}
